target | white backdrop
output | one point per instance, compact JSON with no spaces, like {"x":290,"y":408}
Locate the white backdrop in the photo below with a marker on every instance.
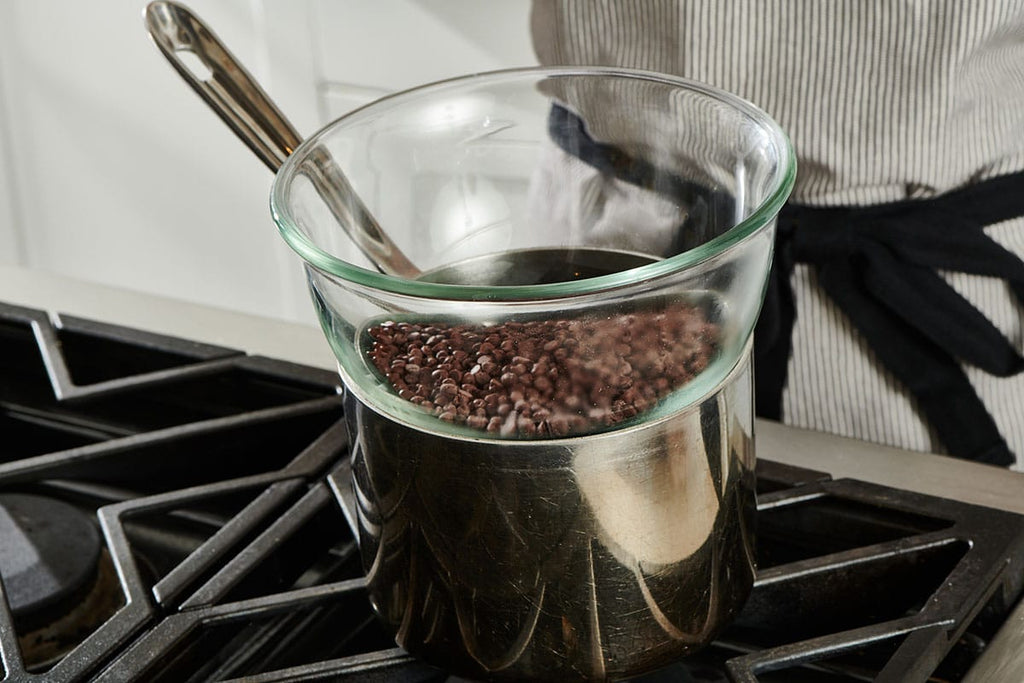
{"x":112,"y":170}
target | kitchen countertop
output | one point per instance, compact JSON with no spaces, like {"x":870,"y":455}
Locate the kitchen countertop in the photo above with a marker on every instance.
{"x":840,"y":457}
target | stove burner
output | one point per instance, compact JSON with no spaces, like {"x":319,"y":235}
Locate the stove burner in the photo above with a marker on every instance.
{"x":47,"y":644}
{"x":59,"y":581}
{"x":50,"y":556}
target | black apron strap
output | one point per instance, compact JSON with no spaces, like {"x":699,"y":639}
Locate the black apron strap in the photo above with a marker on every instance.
{"x":878,"y":264}
{"x":773,"y":335}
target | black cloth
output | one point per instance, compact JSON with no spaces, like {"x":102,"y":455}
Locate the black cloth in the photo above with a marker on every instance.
{"x":879,"y":265}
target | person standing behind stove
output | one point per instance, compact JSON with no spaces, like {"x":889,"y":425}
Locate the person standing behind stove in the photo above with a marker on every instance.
{"x":894,"y":313}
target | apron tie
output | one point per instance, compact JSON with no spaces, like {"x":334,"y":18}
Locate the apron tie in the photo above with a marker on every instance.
{"x":878,"y":264}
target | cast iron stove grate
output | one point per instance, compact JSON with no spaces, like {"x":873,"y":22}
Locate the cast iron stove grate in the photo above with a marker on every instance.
{"x":169,"y":511}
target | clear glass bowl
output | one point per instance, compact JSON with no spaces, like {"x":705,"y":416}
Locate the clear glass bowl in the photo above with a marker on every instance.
{"x":595,"y":244}
{"x":469,"y":168}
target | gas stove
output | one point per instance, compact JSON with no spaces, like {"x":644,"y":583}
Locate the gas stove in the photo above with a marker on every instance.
{"x":179,"y":511}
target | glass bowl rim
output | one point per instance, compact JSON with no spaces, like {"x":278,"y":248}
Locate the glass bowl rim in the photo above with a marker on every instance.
{"x":332,"y":265}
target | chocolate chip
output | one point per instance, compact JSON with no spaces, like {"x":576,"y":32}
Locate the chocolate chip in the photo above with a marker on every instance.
{"x":552,"y":377}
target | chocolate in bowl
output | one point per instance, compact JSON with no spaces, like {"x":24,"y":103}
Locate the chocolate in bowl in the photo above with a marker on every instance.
{"x":554,"y":377}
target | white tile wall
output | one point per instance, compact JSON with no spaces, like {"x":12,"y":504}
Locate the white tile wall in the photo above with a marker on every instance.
{"x":112,"y":170}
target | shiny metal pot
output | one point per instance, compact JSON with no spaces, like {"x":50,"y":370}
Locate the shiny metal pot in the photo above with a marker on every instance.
{"x":593,"y":557}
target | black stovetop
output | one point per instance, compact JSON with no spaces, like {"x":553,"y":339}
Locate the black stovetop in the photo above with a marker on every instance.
{"x":174,"y":511}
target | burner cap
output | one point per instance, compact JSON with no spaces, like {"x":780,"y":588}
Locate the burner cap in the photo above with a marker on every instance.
{"x":49,"y":552}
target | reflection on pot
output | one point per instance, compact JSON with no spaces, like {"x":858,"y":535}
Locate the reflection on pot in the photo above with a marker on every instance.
{"x":593,"y":557}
